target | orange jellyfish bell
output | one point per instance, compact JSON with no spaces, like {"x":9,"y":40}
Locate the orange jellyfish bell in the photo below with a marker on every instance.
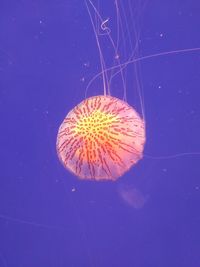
{"x":101,"y":138}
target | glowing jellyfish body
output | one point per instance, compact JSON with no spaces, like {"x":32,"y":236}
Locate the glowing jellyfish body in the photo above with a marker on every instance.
{"x":101,"y":138}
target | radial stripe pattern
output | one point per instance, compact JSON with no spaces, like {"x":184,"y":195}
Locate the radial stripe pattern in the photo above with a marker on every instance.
{"x":101,"y":138}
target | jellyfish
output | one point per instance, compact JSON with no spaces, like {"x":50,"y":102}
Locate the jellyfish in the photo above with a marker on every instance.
{"x":132,"y":196}
{"x":101,"y":138}
{"x":104,"y":136}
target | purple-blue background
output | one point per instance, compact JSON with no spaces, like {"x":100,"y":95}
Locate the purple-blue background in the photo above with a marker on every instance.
{"x":46,"y":48}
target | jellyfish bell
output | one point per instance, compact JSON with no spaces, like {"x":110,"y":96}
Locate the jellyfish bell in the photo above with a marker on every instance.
{"x":132,"y":196}
{"x":101,"y":138}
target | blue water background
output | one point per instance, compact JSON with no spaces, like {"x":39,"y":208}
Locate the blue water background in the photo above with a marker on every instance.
{"x":49,"y":218}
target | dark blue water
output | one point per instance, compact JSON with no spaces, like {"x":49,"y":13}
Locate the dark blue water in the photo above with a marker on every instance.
{"x":150,"y":216}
